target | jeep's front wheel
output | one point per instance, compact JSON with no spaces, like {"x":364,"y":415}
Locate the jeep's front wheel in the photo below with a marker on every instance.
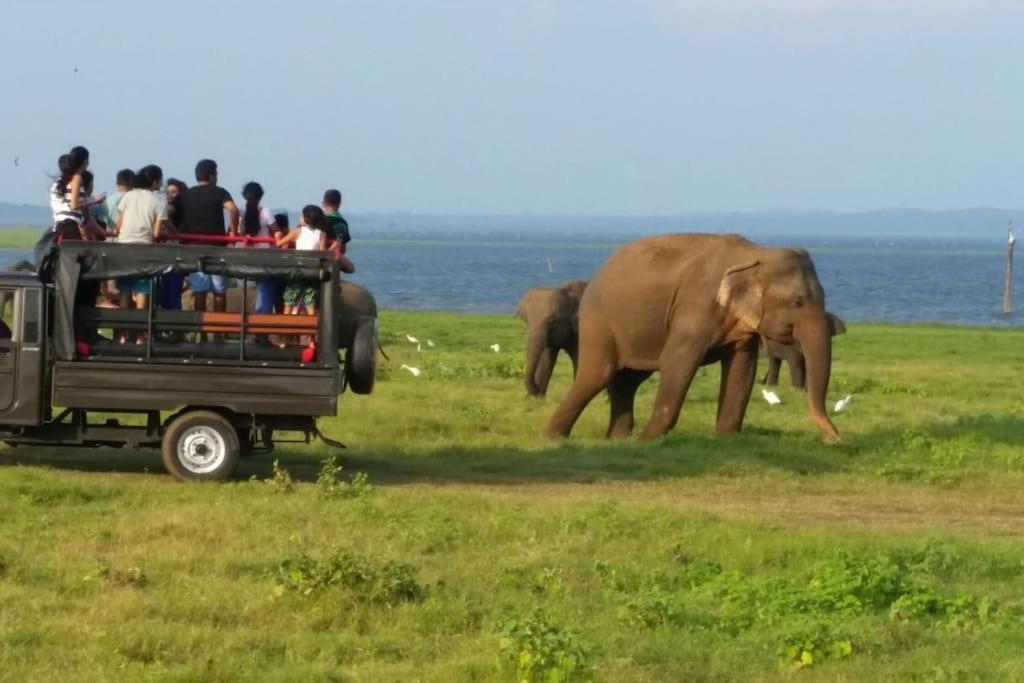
{"x":200,"y":445}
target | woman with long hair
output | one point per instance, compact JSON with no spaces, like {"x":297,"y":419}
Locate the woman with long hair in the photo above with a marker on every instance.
{"x":68,"y":201}
{"x":175,"y":202}
{"x":257,"y":221}
{"x":171,"y":284}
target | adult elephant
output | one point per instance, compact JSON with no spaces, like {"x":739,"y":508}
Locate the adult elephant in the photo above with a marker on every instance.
{"x":676,"y":302}
{"x":777,"y":352}
{"x":550,"y":316}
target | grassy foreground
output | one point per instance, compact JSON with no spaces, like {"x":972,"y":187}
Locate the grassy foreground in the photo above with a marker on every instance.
{"x":479,"y":551}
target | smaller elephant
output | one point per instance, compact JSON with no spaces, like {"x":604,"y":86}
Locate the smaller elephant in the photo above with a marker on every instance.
{"x":551,"y":315}
{"x":777,"y":352}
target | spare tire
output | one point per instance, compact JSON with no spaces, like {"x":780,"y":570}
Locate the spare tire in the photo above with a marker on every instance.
{"x":361,"y":360}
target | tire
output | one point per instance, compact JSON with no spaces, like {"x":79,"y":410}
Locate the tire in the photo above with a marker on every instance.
{"x":361,"y":360}
{"x":200,"y":445}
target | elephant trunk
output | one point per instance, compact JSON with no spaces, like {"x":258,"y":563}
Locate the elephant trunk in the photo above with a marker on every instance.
{"x":536,"y":343}
{"x":816,"y":343}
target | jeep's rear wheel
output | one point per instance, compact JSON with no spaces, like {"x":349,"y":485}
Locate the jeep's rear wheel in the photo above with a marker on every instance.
{"x":200,"y":445}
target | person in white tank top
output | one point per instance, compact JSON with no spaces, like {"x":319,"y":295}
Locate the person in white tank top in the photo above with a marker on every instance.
{"x":308,"y":236}
{"x":68,"y":201}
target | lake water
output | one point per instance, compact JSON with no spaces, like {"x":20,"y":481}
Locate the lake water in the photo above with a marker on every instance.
{"x":955,"y":283}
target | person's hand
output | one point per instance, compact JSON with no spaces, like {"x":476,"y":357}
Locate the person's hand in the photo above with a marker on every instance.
{"x":99,"y":199}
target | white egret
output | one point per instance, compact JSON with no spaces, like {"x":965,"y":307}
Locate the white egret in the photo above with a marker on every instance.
{"x":430,"y":343}
{"x":412,"y":339}
{"x":770,"y":396}
{"x":415,"y":372}
{"x":842,"y":403}
{"x":495,"y":347}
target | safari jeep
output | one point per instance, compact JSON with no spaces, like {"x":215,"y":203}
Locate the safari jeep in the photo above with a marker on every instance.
{"x":203,"y":403}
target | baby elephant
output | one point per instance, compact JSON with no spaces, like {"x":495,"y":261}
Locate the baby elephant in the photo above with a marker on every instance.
{"x":776,"y":353}
{"x":552,"y":325}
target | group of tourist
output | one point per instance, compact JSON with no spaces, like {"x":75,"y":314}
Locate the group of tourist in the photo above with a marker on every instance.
{"x":140,"y":211}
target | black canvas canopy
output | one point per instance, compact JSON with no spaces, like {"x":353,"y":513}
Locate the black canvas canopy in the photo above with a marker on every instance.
{"x":76,"y":262}
{"x":107,"y":261}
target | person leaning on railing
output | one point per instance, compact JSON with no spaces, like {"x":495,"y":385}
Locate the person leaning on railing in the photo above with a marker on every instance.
{"x":204,"y":205}
{"x":142,"y":213}
{"x":68,"y":200}
{"x":171,"y":284}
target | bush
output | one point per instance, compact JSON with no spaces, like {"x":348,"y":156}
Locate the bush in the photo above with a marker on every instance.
{"x":330,"y":488}
{"x":808,"y":646}
{"x":389,"y":584}
{"x":534,"y":648}
{"x":281,"y":479}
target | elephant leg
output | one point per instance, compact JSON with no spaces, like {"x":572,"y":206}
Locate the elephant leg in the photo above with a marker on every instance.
{"x":536,"y":347}
{"x":798,"y":370}
{"x":738,"y":372}
{"x":545,"y":366}
{"x":596,"y":368}
{"x":574,"y":356}
{"x":621,"y":392}
{"x":678,"y":367}
{"x":774,"y":366}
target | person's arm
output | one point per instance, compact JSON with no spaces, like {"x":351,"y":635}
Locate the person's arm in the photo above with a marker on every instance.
{"x":344,"y":265}
{"x":73,"y":189}
{"x":229,"y":206}
{"x":120,"y":222}
{"x":287,"y":238}
{"x":161,"y":221}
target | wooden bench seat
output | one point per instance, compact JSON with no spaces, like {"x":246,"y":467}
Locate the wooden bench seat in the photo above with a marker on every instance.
{"x":199,"y":321}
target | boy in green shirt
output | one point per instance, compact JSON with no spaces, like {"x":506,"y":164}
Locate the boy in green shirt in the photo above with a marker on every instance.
{"x":336,"y":223}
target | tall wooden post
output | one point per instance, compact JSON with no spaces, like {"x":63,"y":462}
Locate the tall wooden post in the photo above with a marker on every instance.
{"x":1008,"y":288}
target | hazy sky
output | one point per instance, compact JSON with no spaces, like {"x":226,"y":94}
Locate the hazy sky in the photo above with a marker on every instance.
{"x":496,"y":106}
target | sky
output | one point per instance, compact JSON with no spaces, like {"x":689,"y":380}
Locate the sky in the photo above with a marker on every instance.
{"x":528,"y":106}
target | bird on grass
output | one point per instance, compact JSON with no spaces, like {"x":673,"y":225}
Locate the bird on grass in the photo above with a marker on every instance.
{"x":772,"y":398}
{"x":412,"y":339}
{"x":430,"y":343}
{"x":415,"y":372}
{"x":842,"y":403}
{"x":495,"y":347}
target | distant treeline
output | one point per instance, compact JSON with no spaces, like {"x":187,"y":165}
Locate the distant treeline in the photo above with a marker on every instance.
{"x":981,"y":224}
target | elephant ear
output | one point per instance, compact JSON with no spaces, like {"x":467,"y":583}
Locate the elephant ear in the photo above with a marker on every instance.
{"x":835,"y":324}
{"x":741,"y":294}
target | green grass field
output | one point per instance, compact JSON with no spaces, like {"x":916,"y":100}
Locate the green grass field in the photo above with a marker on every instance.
{"x":19,"y":237}
{"x":479,"y":551}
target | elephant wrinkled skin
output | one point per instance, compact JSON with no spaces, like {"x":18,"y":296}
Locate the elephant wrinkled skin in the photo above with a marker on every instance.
{"x":550,"y":315}
{"x":777,"y":352}
{"x":676,"y":302}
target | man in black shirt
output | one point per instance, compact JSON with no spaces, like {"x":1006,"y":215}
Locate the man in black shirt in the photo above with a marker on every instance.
{"x":204,"y":205}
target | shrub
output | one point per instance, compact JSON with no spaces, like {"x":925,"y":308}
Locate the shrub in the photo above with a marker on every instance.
{"x":808,"y":646}
{"x":534,"y":648}
{"x":330,"y":487}
{"x":280,"y":479}
{"x":389,"y":584}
